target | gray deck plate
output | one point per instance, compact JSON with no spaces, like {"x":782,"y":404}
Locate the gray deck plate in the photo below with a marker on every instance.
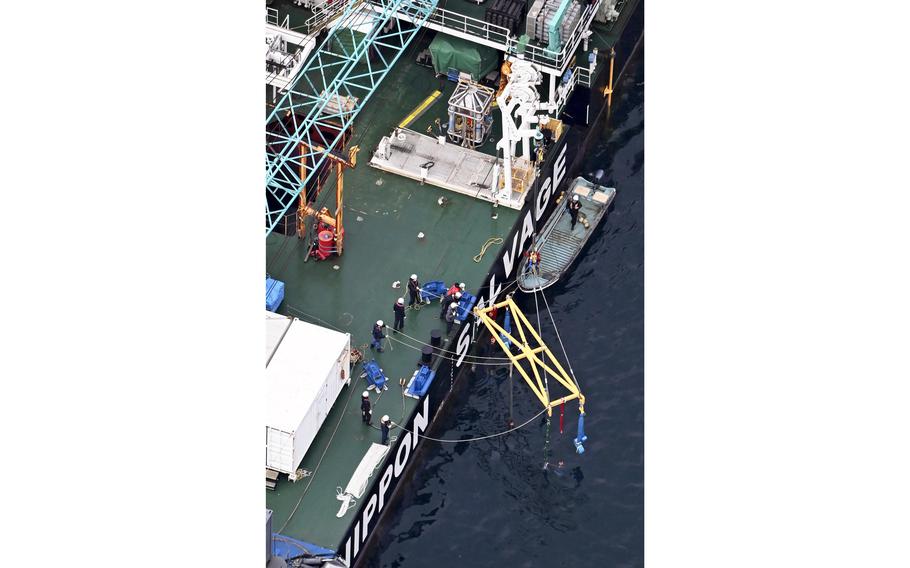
{"x":455,"y":168}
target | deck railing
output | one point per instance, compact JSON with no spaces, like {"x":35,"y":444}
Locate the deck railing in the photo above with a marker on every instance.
{"x":449,"y":20}
{"x":559,"y":60}
{"x":472,"y":26}
{"x":584,"y":76}
{"x":271,"y":17}
{"x":321,"y":19}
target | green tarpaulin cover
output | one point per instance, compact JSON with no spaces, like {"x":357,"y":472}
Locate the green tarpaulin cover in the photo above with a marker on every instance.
{"x":451,"y":52}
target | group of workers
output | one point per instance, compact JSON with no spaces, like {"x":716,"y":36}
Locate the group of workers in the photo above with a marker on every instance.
{"x":366,"y":411}
{"x":448,"y":312}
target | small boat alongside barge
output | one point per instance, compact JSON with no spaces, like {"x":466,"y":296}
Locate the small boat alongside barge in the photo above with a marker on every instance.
{"x":558,"y":244}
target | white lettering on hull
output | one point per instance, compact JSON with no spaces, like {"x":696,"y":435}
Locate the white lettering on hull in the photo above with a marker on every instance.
{"x":394,"y":470}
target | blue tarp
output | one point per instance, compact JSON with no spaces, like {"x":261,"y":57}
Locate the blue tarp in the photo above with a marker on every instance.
{"x":287,"y":547}
{"x":374,"y":374}
{"x":465,"y":305}
{"x":433,"y":290}
{"x":422,"y":381}
{"x":274,"y":293}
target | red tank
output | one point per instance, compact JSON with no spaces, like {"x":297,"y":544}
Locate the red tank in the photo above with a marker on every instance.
{"x":326,"y":244}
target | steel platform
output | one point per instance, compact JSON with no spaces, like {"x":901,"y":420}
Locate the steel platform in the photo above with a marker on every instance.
{"x":454,"y":168}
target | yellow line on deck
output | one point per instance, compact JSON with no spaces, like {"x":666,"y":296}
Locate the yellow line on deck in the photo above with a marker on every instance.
{"x":419,"y":110}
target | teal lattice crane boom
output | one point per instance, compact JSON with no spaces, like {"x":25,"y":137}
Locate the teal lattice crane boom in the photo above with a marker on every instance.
{"x":311,"y":118}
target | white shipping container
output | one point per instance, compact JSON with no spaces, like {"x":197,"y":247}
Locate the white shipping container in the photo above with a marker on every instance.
{"x":305,"y":371}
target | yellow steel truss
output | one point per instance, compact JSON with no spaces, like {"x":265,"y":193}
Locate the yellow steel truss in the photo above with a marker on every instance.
{"x":535,"y":353}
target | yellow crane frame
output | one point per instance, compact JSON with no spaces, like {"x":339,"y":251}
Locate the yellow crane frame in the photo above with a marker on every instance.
{"x":535,"y":354}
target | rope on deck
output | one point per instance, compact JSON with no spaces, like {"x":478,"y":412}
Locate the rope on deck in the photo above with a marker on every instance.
{"x":490,"y":242}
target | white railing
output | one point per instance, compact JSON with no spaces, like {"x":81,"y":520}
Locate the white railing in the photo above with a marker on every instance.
{"x":471,"y":26}
{"x":327,"y":15}
{"x":271,"y":16}
{"x":584,"y":76}
{"x":543,"y":56}
{"x":449,"y":20}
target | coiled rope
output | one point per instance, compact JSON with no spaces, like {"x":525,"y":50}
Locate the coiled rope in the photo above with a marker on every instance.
{"x":490,"y":242}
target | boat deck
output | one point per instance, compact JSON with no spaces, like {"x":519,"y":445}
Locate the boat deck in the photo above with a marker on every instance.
{"x":562,"y":242}
{"x":383,"y":215}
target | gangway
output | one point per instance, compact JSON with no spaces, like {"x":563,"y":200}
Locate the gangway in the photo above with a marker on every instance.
{"x":303,"y":128}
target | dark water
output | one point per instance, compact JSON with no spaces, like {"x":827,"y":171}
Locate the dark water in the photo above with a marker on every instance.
{"x":492,"y":503}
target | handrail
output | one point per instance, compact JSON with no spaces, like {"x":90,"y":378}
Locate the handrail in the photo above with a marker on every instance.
{"x":584,"y":76}
{"x":543,"y":56}
{"x":315,"y":23}
{"x":271,"y":18}
{"x":454,"y":21}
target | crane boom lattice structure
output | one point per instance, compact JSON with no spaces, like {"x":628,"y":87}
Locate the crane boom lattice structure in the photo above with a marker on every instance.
{"x":312,"y":117}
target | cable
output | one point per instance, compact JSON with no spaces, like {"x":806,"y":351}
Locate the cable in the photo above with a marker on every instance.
{"x":503,"y":360}
{"x":479,"y":438}
{"x":564,"y":354}
{"x":490,"y":242}
{"x":537,"y":310}
{"x":454,"y":360}
{"x":303,"y":313}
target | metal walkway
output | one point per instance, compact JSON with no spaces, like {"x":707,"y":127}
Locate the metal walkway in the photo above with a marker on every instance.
{"x":314,"y":114}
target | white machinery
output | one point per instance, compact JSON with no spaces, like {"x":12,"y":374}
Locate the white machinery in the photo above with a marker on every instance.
{"x":306,"y":367}
{"x":607,"y":12}
{"x":285,"y":52}
{"x":470,"y":114}
{"x":519,"y":95}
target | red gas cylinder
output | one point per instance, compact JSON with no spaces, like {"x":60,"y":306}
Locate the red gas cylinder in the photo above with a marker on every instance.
{"x":326,"y":244}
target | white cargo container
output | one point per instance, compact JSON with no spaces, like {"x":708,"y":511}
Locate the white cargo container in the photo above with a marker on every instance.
{"x":306,"y":367}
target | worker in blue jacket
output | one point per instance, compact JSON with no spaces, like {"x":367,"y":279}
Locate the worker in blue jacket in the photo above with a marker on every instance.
{"x":366,"y":408}
{"x":384,"y":426}
{"x":378,"y":336}
{"x":398,"y":308}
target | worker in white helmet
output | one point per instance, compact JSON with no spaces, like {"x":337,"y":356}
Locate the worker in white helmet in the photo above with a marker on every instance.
{"x":461,"y":286}
{"x":448,"y":299}
{"x":574,"y":206}
{"x":450,"y":316}
{"x":413,"y":290}
{"x":378,"y":336}
{"x":366,"y":409}
{"x":398,"y":309}
{"x":385,"y":424}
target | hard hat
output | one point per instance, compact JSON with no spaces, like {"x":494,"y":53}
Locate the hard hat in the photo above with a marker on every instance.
{"x":379,"y":323}
{"x":575,"y":198}
{"x":453,"y":304}
{"x":385,"y":417}
{"x":457,"y":295}
{"x":413,"y":277}
{"x":461,"y":285}
{"x":366,"y":394}
{"x":400,"y":301}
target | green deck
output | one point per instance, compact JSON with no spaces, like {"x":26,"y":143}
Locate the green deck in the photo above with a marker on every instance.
{"x":380,"y":248}
{"x":383,"y":214}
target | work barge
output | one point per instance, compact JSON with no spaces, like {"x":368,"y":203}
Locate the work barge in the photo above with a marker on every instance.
{"x":389,"y":152}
